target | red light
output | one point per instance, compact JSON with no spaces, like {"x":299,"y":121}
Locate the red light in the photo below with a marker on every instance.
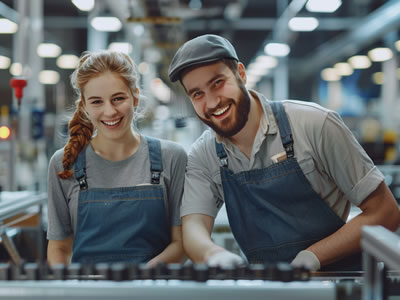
{"x":5,"y":132}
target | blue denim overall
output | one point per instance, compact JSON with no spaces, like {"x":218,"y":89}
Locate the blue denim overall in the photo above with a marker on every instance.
{"x":273,"y":212}
{"x":125,"y":224}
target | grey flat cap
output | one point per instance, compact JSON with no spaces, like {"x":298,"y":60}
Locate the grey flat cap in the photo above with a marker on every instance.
{"x":202,"y":49}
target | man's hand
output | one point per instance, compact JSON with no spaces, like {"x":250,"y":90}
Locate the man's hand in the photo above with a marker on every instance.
{"x":306,"y":259}
{"x":225,"y":259}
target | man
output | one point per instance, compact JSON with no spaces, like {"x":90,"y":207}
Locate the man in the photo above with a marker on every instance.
{"x":288,"y":171}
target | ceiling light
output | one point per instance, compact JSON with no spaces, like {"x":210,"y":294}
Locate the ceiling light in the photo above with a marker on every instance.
{"x":258,"y":71}
{"x":277,"y":49}
{"x":397,"y":45}
{"x":67,"y":61}
{"x":85,"y":5}
{"x":380,"y":54}
{"x":359,"y":62}
{"x":377,"y":78}
{"x":16,"y":69}
{"x":343,"y":69}
{"x":49,"y":77}
{"x":48,"y":50}
{"x":303,"y":24}
{"x":7,"y":26}
{"x":121,"y":47}
{"x":267,"y":61}
{"x":143,"y":68}
{"x":160,"y":90}
{"x":323,"y":6}
{"x":109,"y":24}
{"x":330,"y":74}
{"x":5,"y":62}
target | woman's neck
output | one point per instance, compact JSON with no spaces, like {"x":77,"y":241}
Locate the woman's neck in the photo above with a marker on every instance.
{"x":116,"y":150}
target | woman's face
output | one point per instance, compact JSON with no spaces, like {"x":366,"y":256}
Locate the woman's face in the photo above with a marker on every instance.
{"x":110,"y":106}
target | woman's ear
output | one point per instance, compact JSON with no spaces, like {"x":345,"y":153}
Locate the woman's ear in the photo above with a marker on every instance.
{"x":136,"y":98}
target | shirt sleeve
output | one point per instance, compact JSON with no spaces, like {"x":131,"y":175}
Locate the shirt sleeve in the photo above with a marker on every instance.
{"x":200,"y":193}
{"x":59,"y":221}
{"x":346,"y":162}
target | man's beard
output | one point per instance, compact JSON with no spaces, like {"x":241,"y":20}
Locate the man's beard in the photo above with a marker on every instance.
{"x":231,"y":126}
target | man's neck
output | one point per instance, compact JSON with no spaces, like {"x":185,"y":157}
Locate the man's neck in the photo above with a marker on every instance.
{"x":244,"y":139}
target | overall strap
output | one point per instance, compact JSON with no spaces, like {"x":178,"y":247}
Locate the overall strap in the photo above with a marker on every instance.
{"x":223,"y":157}
{"x":284,"y":127}
{"x":155,"y":159}
{"x":80,"y":170}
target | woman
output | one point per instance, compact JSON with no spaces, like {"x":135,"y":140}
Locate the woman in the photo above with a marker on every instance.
{"x":114,"y":195}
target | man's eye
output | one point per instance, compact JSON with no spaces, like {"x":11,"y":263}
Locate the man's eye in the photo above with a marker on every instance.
{"x":218,"y":82}
{"x":196,"y":95}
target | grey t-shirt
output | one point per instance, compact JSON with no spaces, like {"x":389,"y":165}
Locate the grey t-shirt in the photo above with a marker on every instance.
{"x":102,"y":173}
{"x":335,"y":164}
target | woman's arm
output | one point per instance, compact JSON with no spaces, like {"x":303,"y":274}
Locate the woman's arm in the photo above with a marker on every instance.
{"x":60,"y":251}
{"x":174,"y":252}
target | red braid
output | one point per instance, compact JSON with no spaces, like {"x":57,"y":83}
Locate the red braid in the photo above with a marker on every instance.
{"x":80,"y":131}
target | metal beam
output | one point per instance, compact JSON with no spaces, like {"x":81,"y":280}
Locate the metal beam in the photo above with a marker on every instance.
{"x":8,"y":12}
{"x":262,"y":24}
{"x":372,"y":28}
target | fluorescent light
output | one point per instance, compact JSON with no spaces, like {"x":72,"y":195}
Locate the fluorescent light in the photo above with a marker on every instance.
{"x":67,"y":61}
{"x":343,"y":69}
{"x":303,"y":24}
{"x":48,"y":50}
{"x":85,"y":5}
{"x":377,"y":78}
{"x":359,"y":62}
{"x":121,"y":47}
{"x":277,"y":49}
{"x":109,"y":24}
{"x":5,"y":62}
{"x":380,"y":54}
{"x":7,"y":26}
{"x":267,"y":61}
{"x":16,"y":69}
{"x":330,"y":74}
{"x":323,"y":6}
{"x":49,"y":77}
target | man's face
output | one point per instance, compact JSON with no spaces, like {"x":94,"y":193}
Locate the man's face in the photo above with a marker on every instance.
{"x":219,"y":98}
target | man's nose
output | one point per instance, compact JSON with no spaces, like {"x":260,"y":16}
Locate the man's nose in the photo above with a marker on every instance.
{"x":213,"y":101}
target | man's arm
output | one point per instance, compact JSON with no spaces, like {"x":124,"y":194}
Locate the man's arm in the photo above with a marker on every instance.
{"x":174,"y":252}
{"x":379,"y":208}
{"x":60,"y":251}
{"x":199,"y":246}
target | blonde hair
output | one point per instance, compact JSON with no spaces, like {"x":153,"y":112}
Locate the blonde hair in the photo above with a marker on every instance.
{"x":91,"y":65}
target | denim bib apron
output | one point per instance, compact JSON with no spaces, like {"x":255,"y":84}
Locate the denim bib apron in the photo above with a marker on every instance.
{"x":125,"y":224}
{"x":273,"y":212}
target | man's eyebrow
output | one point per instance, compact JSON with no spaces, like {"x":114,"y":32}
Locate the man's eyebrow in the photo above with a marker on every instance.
{"x":207,"y":83}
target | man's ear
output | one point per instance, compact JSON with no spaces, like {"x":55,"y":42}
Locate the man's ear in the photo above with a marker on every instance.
{"x":242,"y":72}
